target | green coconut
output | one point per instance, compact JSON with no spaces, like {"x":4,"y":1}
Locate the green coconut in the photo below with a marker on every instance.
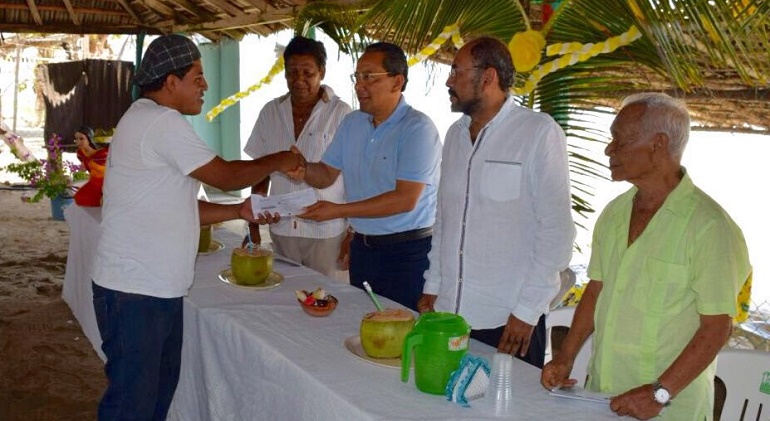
{"x":383,"y":332}
{"x":204,"y":241}
{"x":251,"y":266}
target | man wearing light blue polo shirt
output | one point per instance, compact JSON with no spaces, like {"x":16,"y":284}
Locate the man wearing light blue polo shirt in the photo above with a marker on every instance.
{"x":389,"y":156}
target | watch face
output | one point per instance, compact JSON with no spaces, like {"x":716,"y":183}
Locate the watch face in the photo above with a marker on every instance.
{"x":662,"y":396}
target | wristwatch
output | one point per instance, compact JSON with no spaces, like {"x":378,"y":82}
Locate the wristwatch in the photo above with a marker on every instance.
{"x":660,"y":394}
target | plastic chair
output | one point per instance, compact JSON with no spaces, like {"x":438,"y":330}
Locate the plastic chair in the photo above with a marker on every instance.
{"x":563,"y":317}
{"x":567,"y":279}
{"x":746,"y":375}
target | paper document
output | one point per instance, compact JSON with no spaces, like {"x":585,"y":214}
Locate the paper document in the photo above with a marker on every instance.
{"x":580,"y":394}
{"x":283,"y":204}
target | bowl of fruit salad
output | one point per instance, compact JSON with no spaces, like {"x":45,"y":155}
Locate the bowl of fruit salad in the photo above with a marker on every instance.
{"x":317,"y":303}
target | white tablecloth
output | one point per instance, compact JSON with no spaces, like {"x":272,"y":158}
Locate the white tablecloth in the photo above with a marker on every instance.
{"x":255,"y":355}
{"x":84,"y":232}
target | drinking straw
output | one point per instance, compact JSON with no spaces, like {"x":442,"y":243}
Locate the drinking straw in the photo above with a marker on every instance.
{"x":372,"y":296}
{"x":250,"y":245}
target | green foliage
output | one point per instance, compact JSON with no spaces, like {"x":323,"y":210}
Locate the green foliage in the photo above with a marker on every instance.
{"x":52,"y":177}
{"x":686,"y":43}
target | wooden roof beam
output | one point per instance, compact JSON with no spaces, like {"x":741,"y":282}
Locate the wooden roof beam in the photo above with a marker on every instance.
{"x":261,"y":5}
{"x":225,"y":7}
{"x":197,"y":11}
{"x":71,"y":11}
{"x":63,"y":28}
{"x":237,"y":22}
{"x":159,"y":8}
{"x":35,"y":12}
{"x":129,"y":10}
{"x":80,"y":11}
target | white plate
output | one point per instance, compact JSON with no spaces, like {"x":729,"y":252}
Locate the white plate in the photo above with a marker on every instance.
{"x":353,"y":344}
{"x":214,"y":246}
{"x":272,"y":281}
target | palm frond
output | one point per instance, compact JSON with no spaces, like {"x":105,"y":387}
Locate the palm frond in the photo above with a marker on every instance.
{"x":337,"y":21}
{"x":685,"y":45}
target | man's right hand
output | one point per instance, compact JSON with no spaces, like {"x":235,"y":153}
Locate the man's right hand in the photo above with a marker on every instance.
{"x":556,"y":374}
{"x":298,"y":172}
{"x":287,"y":161}
{"x":425,"y":304}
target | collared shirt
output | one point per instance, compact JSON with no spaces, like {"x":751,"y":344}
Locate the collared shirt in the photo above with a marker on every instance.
{"x":504,"y":226}
{"x":274,"y":132}
{"x":690,"y":260}
{"x":406,"y":146}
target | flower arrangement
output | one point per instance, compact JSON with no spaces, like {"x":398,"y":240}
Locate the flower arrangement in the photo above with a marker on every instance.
{"x":52,"y":177}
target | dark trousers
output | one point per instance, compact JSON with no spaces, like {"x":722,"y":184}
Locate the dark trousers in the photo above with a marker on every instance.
{"x":394,"y":271}
{"x":142,"y":339}
{"x":535,"y":354}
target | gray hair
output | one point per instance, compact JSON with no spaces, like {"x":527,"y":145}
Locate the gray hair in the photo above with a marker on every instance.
{"x":664,"y":114}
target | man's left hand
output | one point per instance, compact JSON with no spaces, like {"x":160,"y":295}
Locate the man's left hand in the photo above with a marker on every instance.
{"x":637,"y":403}
{"x":321,"y":211}
{"x":516,"y":336}
{"x":246,"y":212}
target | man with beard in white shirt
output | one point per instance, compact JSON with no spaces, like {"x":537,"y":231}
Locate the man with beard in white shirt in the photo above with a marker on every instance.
{"x":504,"y":226}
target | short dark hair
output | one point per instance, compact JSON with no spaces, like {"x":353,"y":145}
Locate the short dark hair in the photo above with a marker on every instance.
{"x":491,"y":52}
{"x":300,"y":45}
{"x":155,"y":86}
{"x":395,"y":59}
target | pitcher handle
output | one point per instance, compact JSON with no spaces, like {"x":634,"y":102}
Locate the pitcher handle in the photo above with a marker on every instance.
{"x":411,"y":340}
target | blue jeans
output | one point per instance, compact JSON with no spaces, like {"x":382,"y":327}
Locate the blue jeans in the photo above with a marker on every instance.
{"x":142,"y":339}
{"x":394,"y":271}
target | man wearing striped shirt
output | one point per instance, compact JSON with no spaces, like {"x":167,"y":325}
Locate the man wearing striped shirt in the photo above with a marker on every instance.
{"x":306,"y":117}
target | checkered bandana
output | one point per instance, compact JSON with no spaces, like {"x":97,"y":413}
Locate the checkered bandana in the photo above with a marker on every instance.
{"x":164,"y":55}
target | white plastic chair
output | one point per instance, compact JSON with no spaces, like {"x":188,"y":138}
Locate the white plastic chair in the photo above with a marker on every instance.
{"x":563,"y":317}
{"x":746,"y":375}
{"x":567,"y":279}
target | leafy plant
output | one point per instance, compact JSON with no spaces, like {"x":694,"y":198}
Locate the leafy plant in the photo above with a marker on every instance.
{"x":52,"y":177}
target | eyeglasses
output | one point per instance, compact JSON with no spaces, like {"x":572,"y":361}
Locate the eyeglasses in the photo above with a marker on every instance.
{"x":454,"y":70}
{"x":366,"y":77}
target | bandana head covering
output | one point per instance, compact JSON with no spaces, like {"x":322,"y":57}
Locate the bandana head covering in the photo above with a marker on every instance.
{"x":164,"y":55}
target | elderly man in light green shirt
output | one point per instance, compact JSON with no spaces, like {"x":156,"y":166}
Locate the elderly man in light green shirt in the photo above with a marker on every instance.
{"x":666,"y":267}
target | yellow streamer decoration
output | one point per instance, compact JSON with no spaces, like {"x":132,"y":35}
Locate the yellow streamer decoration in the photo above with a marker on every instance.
{"x":450,"y":31}
{"x":574,"y":52}
{"x":232,"y":99}
{"x":525,"y":48}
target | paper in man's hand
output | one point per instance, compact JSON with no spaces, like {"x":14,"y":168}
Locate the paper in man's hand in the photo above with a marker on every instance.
{"x":288,"y":204}
{"x":579,"y":393}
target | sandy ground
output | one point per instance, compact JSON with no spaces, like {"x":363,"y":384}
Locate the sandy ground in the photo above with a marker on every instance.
{"x":48,"y":369}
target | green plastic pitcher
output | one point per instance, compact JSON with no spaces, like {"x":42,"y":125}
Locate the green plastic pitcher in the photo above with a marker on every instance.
{"x":438,"y":341}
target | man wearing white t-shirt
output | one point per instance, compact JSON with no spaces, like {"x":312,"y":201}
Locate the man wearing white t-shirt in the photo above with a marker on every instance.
{"x":145,"y":260}
{"x":307,"y":117}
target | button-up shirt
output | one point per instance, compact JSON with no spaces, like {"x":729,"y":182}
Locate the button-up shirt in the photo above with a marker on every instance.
{"x":690,"y":260}
{"x":504,"y":225}
{"x":274,"y":132}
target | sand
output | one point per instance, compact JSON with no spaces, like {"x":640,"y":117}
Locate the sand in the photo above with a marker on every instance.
{"x":48,"y":369}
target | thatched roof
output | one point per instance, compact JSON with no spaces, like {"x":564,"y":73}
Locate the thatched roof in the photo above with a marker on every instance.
{"x":726,"y":104}
{"x":213,"y":19}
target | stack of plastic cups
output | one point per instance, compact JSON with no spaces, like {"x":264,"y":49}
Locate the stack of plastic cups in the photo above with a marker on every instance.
{"x":499,"y":396}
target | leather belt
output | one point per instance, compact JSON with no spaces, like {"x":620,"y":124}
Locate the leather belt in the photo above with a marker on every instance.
{"x":399,"y":237}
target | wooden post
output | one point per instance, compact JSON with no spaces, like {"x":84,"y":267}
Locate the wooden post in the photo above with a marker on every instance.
{"x":16,"y":87}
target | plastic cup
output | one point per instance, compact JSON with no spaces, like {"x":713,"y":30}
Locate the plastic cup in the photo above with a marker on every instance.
{"x":499,"y":396}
